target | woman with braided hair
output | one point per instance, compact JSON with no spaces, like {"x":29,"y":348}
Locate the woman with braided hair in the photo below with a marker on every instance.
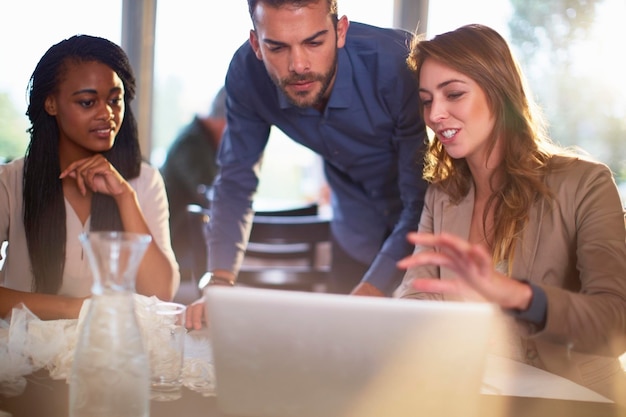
{"x":82,"y":172}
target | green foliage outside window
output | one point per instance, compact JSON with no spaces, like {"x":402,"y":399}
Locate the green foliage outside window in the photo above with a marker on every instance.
{"x":13,"y":135}
{"x":583,"y":109}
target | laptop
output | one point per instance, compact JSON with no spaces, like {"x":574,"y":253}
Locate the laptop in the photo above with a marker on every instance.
{"x":283,"y":353}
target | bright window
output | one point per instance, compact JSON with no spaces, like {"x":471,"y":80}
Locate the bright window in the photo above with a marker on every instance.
{"x":27,"y":31}
{"x":572,"y":57}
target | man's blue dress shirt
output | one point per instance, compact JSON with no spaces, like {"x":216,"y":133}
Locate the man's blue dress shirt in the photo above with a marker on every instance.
{"x":370,"y":135}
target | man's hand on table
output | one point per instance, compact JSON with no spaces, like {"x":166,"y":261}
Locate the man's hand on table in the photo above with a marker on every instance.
{"x":367,"y":289}
{"x":194,"y":316}
{"x":196,"y":311}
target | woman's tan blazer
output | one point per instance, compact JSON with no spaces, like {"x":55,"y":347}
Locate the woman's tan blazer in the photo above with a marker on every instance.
{"x":575,"y":249}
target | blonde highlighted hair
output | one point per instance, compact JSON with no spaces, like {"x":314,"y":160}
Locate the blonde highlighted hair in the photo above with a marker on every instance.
{"x":483,"y":55}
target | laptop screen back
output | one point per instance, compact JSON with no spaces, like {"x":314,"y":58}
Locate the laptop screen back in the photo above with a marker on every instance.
{"x":287,"y":354}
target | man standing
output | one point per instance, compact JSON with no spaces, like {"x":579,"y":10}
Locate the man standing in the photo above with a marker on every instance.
{"x":344,"y":91}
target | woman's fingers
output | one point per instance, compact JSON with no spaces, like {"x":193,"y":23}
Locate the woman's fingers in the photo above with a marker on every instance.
{"x":425,"y":258}
{"x":453,"y":253}
{"x":433,"y":285}
{"x":95,"y":173}
{"x":444,"y":241}
{"x":451,"y":287}
{"x":471,"y":263}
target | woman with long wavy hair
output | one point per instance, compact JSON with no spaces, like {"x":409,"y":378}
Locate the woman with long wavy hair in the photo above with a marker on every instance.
{"x":512,"y":219}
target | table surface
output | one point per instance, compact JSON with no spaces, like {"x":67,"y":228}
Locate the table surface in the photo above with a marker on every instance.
{"x":513,"y":390}
{"x":47,"y":397}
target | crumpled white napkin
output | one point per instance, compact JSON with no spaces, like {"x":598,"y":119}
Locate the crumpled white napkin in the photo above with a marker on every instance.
{"x":28,"y":344}
{"x":198,"y":370}
{"x":14,"y":359}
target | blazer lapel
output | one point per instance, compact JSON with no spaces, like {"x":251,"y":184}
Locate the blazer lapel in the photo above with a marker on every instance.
{"x":456,"y":220}
{"x":526,"y":250}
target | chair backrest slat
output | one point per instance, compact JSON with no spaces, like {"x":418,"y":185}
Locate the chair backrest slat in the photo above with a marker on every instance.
{"x":278,"y":240}
{"x":296,"y":229}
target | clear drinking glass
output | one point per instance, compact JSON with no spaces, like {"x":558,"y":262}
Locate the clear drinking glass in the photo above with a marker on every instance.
{"x":166,"y":346}
{"x":110,"y":374}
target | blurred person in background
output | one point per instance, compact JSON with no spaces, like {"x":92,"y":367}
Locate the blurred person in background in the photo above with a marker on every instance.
{"x":189,"y":170}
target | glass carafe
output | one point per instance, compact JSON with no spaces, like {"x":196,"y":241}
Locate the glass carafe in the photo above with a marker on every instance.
{"x":110,"y":374}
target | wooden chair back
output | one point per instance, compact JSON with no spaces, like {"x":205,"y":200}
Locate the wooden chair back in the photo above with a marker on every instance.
{"x":287,"y":249}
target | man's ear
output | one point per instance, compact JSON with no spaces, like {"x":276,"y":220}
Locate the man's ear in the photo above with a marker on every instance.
{"x":254,"y":42}
{"x":342,"y":29}
{"x":50,"y":106}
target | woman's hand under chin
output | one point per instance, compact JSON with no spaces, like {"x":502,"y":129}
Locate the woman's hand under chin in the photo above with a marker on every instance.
{"x":97,"y":174}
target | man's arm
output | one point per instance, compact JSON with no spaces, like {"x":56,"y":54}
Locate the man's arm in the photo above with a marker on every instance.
{"x":409,"y":137}
{"x":239,"y":154}
{"x":383,"y":274}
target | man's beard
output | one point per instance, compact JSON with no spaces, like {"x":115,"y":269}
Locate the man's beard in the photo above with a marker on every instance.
{"x":300,"y":100}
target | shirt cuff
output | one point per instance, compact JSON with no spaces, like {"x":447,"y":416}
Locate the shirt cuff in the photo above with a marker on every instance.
{"x":538,"y":308}
{"x":384,"y":274}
